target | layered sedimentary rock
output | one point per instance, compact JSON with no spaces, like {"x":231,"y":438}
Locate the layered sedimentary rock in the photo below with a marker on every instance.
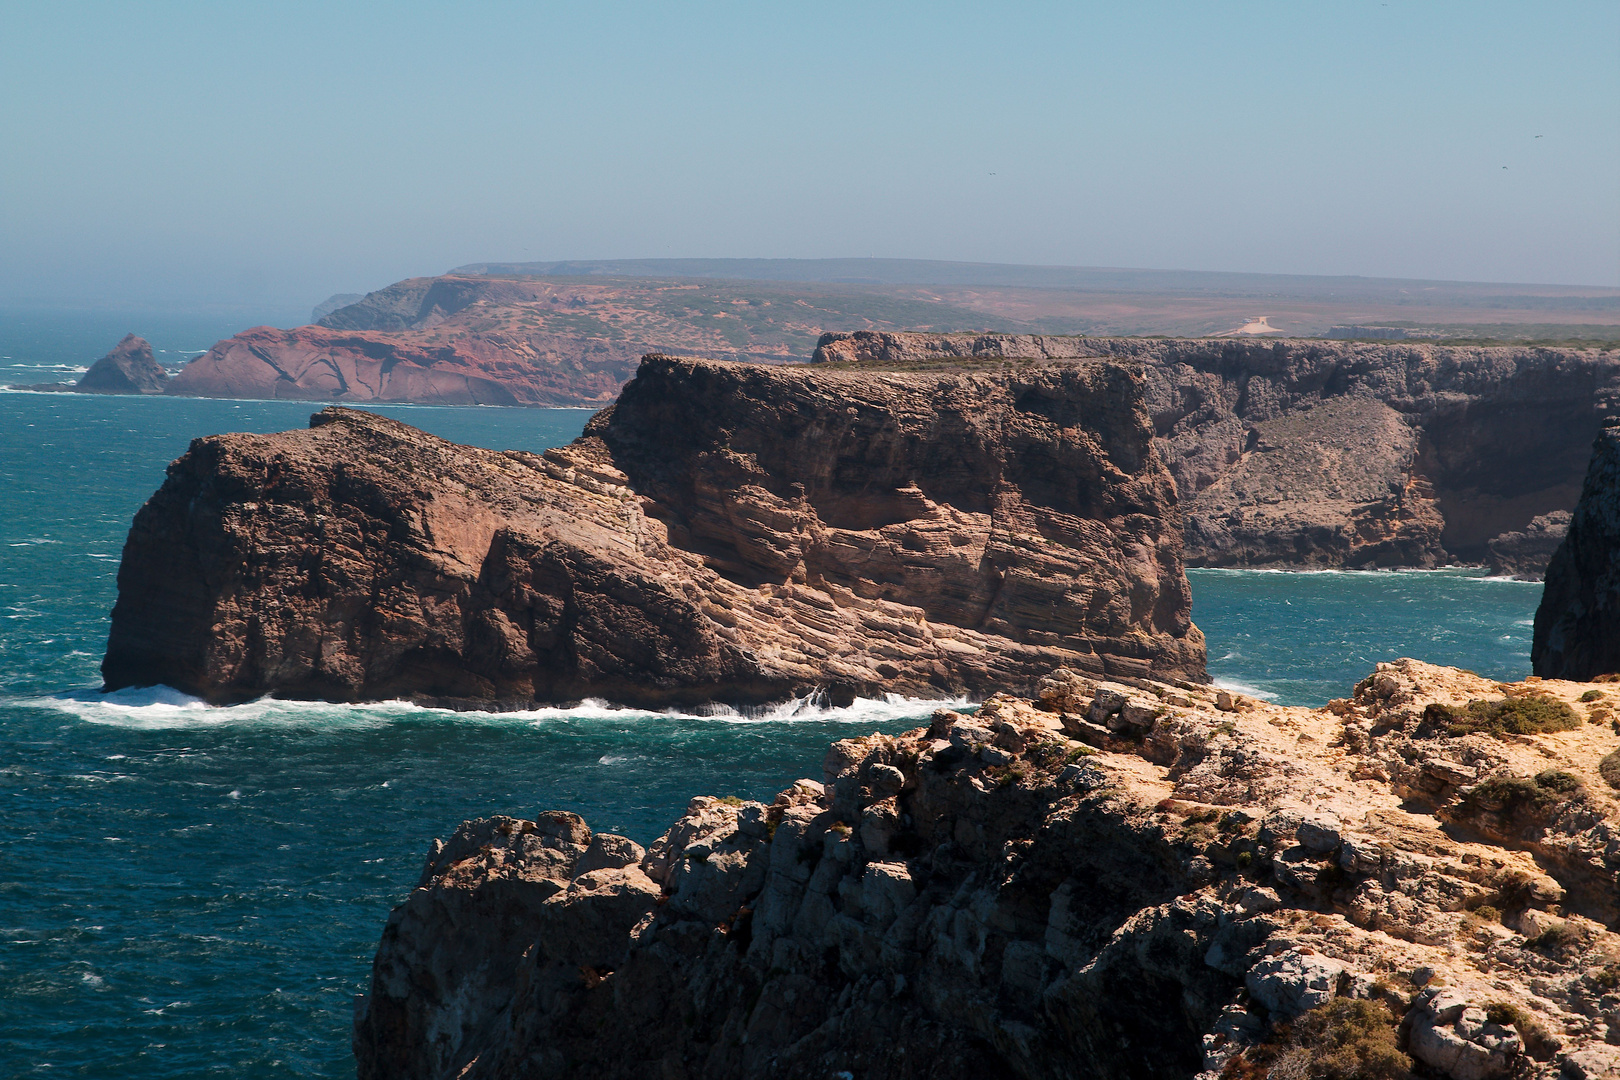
{"x":1121,"y":879}
{"x":313,"y":363}
{"x":130,"y":368}
{"x":1313,"y":453}
{"x":724,"y":532}
{"x":1577,"y":633}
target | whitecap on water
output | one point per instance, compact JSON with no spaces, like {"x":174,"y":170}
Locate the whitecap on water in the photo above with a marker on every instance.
{"x":1244,"y":688}
{"x":163,"y":707}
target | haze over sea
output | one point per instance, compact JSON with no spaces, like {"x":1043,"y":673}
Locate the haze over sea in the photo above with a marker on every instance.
{"x":189,"y":891}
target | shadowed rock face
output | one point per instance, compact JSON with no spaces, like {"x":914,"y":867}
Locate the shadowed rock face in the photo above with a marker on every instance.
{"x":1314,"y":453}
{"x":1123,"y":880}
{"x":129,"y":369}
{"x":1577,"y":633}
{"x":725,"y":532}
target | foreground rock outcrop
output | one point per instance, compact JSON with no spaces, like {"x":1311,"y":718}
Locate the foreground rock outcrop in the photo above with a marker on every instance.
{"x":724,"y":533}
{"x":1316,"y":453}
{"x":1142,"y":879}
{"x":1577,"y":633}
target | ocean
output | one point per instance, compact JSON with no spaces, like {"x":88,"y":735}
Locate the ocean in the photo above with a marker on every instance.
{"x":189,"y":891}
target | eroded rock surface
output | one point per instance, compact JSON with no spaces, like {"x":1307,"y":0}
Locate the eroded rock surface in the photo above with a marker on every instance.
{"x":317,"y":363}
{"x":130,"y":368}
{"x":1315,"y":453}
{"x":725,"y":532}
{"x":1577,"y":634}
{"x":1049,"y":888}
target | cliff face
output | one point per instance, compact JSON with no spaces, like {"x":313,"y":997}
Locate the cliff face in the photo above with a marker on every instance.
{"x":1315,"y":453}
{"x":725,"y":532}
{"x":1119,"y":880}
{"x":130,"y":368}
{"x":312,"y":363}
{"x":1577,"y":634}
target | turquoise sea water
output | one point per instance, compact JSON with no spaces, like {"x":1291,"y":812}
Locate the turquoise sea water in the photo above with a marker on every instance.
{"x":196,"y":892}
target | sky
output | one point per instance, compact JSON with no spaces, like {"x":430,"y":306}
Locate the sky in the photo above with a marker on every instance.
{"x":165,"y":154}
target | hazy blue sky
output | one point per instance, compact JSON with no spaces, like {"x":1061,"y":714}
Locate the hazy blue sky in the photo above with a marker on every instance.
{"x":273,"y":153}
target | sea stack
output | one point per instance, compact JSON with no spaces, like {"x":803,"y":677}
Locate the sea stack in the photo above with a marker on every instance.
{"x":129,"y":369}
{"x":726,"y":532}
{"x":1577,"y":633}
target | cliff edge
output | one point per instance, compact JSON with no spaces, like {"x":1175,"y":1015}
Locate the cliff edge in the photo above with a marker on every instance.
{"x":1119,"y":879}
{"x":725,"y":532}
{"x":1577,"y":634}
{"x":1330,"y":453}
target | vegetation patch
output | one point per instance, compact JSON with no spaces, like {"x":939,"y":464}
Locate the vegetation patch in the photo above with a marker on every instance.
{"x":1506,"y":716}
{"x":1342,"y":1040}
{"x":1521,"y":796}
{"x":1609,"y":769}
{"x":1592,"y":695}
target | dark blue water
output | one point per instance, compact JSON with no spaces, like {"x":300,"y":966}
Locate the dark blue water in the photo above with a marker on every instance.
{"x":190,"y":892}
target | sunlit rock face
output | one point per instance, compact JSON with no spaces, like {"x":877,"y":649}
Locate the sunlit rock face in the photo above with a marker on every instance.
{"x":725,"y":532}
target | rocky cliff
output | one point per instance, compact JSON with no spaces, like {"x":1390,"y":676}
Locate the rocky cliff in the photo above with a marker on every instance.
{"x":1577,"y":634}
{"x":130,"y":368}
{"x":724,"y":532}
{"x":1315,"y":453}
{"x":1136,"y":879}
{"x":313,"y":363}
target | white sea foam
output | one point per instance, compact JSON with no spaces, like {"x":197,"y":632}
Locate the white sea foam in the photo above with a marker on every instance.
{"x":162,"y":708}
{"x":1244,"y":688}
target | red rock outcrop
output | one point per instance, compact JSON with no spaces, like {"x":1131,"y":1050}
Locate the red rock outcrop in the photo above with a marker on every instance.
{"x":724,"y":532}
{"x":1317,"y":453}
{"x":130,"y":368}
{"x":313,"y":363}
{"x":1122,"y":879}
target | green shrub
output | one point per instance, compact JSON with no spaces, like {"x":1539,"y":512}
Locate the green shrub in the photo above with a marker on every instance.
{"x":1609,"y":769}
{"x":1558,"y":782}
{"x":1592,"y":695}
{"x":1342,"y":1040}
{"x":1508,"y":716}
{"x":1554,"y":939}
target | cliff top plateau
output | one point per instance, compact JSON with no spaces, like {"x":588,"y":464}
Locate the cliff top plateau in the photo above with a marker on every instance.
{"x":724,"y":532}
{"x":1133,"y":878}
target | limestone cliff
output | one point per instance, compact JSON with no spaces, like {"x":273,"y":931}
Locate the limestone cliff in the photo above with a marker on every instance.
{"x":1577,"y":634}
{"x":1316,"y":453}
{"x":1136,"y":879}
{"x":725,"y":532}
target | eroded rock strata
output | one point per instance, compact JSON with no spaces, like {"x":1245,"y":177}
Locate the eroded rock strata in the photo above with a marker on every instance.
{"x":316,"y":363}
{"x":1577,"y":633}
{"x":1316,"y":453}
{"x":724,"y":533}
{"x":1119,"y":879}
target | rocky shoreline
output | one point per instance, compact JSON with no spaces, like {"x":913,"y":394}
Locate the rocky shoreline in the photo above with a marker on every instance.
{"x":1122,"y":879}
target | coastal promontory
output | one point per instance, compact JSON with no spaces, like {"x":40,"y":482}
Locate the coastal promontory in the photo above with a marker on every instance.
{"x":725,"y":532}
